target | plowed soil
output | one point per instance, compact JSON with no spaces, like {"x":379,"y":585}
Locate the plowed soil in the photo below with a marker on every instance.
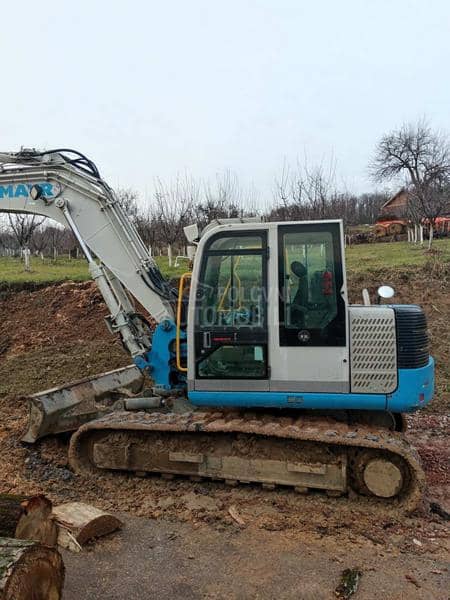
{"x":53,"y":335}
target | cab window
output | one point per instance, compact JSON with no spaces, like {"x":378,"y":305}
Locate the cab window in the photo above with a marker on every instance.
{"x":234,"y":362}
{"x":312,"y":311}
{"x":231,"y":294}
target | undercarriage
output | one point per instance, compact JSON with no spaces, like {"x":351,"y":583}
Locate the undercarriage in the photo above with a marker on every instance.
{"x":302,"y":452}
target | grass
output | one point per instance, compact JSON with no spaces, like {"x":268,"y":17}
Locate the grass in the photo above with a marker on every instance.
{"x":360,"y":258}
{"x":402,"y":255}
{"x":12,"y":270}
{"x":62,"y":269}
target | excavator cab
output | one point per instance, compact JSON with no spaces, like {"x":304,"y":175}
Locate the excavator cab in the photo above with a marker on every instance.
{"x":267,"y":309}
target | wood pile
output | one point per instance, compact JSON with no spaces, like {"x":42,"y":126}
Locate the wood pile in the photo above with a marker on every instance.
{"x":30,"y":565}
{"x":31,"y":568}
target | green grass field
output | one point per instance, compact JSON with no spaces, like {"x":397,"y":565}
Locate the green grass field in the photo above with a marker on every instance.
{"x":360,"y":258}
{"x":62,"y":269}
{"x":376,"y":256}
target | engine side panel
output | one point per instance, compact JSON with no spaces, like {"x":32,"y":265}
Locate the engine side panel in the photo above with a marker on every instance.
{"x":373,"y":350}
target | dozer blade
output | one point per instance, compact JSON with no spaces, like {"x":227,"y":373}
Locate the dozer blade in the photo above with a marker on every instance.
{"x":68,"y":407}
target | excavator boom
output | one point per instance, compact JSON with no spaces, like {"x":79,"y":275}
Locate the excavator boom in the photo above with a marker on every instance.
{"x":66,"y":187}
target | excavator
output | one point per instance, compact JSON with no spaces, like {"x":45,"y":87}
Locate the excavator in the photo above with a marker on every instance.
{"x":260,"y":370}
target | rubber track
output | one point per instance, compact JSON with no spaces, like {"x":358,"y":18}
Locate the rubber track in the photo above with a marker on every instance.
{"x":313,"y":429}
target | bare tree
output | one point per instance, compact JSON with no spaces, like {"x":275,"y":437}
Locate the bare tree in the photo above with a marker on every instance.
{"x":420,"y":155}
{"x":221,"y":199}
{"x":129,"y":198}
{"x":306,"y":191}
{"x":174,"y":209}
{"x":55,"y":236}
{"x":7,"y":242}
{"x":144,"y":223}
{"x":225,"y":190}
{"x":23,"y":226}
{"x":368,"y":206}
{"x":40,"y":240}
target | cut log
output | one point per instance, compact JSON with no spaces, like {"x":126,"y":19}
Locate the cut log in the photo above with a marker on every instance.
{"x":83,"y":522}
{"x":28,"y":519}
{"x":29,"y":571}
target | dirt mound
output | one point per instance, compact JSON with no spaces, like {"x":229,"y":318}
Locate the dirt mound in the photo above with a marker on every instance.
{"x":68,"y":313}
{"x":54,"y":335}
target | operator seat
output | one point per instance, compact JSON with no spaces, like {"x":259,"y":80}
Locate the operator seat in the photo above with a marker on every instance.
{"x":298,"y":305}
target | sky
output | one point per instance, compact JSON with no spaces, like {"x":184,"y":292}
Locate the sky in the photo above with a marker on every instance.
{"x":154,"y":88}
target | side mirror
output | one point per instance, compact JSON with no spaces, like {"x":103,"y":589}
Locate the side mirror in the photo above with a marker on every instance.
{"x":192,"y":233}
{"x":385,"y":291}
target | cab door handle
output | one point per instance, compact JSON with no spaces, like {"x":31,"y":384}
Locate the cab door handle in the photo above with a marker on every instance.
{"x":206,"y":339}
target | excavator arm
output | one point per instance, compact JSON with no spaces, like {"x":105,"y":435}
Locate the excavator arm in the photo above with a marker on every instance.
{"x":67,"y":187}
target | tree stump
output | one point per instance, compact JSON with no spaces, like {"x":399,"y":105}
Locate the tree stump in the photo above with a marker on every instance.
{"x":29,"y":571}
{"x":28,"y":519}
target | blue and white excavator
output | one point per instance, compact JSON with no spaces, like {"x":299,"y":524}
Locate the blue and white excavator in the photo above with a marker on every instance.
{"x":260,"y":369}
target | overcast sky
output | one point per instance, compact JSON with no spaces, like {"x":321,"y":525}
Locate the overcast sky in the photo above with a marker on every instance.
{"x":154,"y":88}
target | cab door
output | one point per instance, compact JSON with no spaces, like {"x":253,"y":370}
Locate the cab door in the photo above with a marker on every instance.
{"x":312,"y":329}
{"x":230,"y":332}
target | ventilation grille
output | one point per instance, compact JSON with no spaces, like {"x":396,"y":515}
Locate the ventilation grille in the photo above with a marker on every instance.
{"x":373,"y":350}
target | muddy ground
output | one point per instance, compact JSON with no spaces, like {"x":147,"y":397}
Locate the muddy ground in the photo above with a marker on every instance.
{"x":290,"y":546}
